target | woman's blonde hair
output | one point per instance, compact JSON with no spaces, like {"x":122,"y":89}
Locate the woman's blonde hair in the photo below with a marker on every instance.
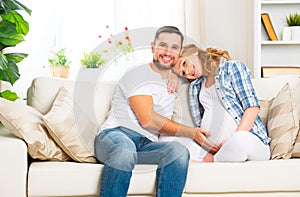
{"x":209,"y":58}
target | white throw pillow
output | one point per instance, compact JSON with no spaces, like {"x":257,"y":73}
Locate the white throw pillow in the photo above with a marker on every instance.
{"x":26,"y":123}
{"x":71,"y":128}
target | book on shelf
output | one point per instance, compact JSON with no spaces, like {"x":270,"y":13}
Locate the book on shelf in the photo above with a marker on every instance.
{"x":267,"y":23}
{"x":279,"y":71}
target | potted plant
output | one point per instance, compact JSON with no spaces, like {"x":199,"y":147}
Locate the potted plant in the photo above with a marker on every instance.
{"x":13,"y":28}
{"x":292,"y":32}
{"x":59,"y":63}
{"x":92,"y":60}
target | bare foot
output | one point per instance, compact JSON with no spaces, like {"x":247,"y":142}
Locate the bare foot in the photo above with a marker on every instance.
{"x":208,"y":158}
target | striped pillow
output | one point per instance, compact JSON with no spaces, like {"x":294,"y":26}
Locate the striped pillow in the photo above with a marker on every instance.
{"x":264,"y":110}
{"x":283,"y":124}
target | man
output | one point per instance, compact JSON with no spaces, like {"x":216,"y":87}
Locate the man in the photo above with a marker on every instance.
{"x":141,"y":110}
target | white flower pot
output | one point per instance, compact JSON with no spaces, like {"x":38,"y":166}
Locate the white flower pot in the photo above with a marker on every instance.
{"x":286,"y":34}
{"x":295,"y":33}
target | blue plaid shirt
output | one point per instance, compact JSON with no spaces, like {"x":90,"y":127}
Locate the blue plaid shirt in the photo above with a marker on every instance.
{"x":236,"y":92}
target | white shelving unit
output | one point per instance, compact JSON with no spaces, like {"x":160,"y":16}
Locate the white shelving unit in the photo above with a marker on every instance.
{"x":274,"y":53}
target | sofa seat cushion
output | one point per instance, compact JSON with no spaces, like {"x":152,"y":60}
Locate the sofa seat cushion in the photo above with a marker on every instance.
{"x":250,"y":176}
{"x":81,"y":179}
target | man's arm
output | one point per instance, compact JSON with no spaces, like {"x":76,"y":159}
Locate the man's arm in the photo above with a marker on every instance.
{"x":142,"y":105}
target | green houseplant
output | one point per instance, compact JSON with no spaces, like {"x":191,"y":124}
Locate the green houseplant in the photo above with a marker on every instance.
{"x":293,"y":19}
{"x":13,"y":28}
{"x":59,"y":63}
{"x":292,"y":32}
{"x":92,"y":60}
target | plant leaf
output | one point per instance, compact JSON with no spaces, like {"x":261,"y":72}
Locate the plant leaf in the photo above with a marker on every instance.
{"x":9,"y":95}
{"x":10,"y":5}
{"x":11,"y":73}
{"x":3,"y":61}
{"x":9,"y":35}
{"x":22,"y":26}
{"x":16,"y":57}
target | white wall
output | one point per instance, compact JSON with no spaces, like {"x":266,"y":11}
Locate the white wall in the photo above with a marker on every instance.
{"x":228,"y":24}
{"x":75,"y":25}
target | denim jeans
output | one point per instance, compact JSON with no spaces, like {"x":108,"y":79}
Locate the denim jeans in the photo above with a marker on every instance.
{"x":120,"y":148}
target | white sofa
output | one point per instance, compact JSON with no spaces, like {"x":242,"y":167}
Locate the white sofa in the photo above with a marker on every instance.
{"x":21,"y":176}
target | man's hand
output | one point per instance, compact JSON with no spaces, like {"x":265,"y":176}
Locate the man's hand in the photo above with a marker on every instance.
{"x":201,"y":138}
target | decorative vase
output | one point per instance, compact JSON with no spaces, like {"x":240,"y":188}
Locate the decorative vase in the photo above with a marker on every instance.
{"x":295,"y":33}
{"x":286,"y":34}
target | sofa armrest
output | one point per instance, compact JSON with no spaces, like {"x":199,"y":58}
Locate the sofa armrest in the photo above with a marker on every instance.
{"x":13,"y":165}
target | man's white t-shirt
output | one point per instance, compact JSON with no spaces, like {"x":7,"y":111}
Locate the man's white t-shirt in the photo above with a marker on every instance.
{"x":140,"y":80}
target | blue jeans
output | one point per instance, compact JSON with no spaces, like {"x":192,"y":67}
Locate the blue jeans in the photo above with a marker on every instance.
{"x":120,"y":148}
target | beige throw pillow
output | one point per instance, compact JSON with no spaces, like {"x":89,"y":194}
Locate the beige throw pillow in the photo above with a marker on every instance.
{"x":26,"y":123}
{"x":283,"y":124}
{"x":264,"y":110}
{"x":70,"y":129}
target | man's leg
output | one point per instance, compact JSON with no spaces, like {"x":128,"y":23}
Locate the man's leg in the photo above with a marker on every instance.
{"x":118,"y":153}
{"x":172,"y":159}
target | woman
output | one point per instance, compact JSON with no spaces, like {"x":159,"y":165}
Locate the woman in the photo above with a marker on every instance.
{"x":223,"y":101}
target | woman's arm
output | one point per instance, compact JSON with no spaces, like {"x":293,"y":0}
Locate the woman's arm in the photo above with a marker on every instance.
{"x":248,"y":119}
{"x":173,"y":82}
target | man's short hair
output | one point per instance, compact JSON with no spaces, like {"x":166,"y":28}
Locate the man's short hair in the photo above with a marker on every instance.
{"x":168,"y":29}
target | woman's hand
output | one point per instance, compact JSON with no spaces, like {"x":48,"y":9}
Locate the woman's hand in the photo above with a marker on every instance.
{"x":173,"y":82}
{"x":201,"y":138}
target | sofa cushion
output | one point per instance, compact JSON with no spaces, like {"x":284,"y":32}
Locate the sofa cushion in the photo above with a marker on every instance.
{"x":94,"y":96}
{"x":243,"y":177}
{"x":81,"y":179}
{"x":71,"y":128}
{"x":43,"y":90}
{"x":268,"y":88}
{"x":27,"y":123}
{"x":283,"y":124}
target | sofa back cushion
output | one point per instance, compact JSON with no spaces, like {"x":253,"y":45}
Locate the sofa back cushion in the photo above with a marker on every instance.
{"x":94,"y":97}
{"x":268,"y":88}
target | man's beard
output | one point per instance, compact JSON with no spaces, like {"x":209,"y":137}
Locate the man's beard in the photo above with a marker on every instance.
{"x":161,"y":66}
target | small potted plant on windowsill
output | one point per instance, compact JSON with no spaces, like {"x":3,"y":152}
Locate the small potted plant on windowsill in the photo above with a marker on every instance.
{"x":92,"y":60}
{"x":59,"y":63}
{"x":292,"y":32}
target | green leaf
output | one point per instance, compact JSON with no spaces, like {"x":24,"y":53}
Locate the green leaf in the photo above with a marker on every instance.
{"x":16,"y":57}
{"x":9,"y":95}
{"x":9,"y":5}
{"x":9,"y":35}
{"x":11,"y":73}
{"x":21,"y":25}
{"x":2,"y":46}
{"x":3,"y":61}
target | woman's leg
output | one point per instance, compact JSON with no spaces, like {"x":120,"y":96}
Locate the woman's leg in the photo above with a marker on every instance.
{"x":242,"y":146}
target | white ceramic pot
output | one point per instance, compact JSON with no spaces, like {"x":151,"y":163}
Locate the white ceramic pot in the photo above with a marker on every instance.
{"x":286,"y":34}
{"x":295,"y":33}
